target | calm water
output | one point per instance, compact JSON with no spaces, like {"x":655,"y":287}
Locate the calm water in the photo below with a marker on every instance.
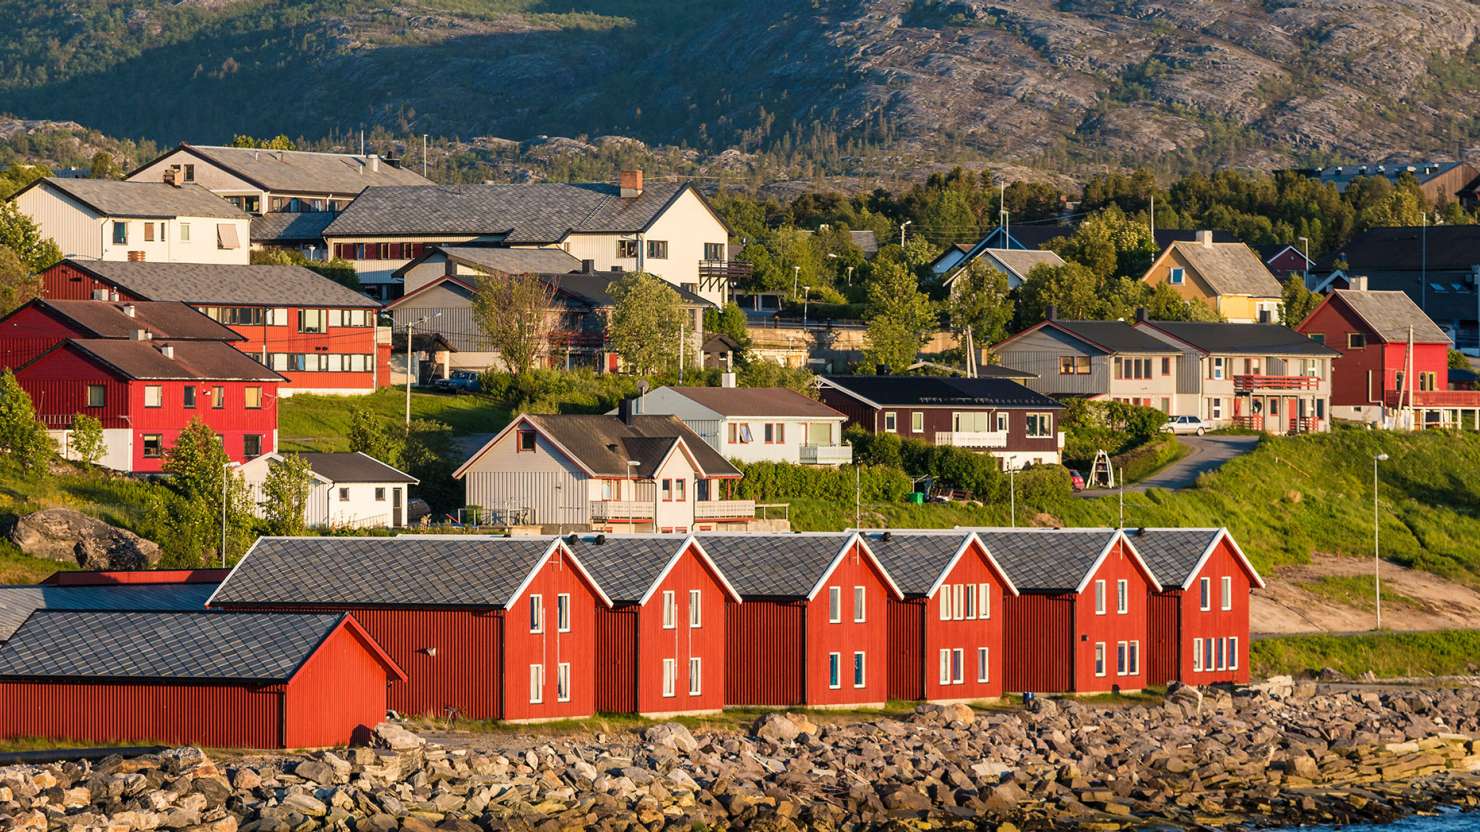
{"x":1446,"y":822}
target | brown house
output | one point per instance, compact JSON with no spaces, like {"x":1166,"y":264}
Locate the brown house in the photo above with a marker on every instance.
{"x":994,"y":415}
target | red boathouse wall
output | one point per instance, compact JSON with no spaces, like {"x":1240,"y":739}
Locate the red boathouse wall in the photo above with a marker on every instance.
{"x":862,"y":633}
{"x":765,"y":646}
{"x":682,"y":642}
{"x":1113,"y":628}
{"x":1226,"y":629}
{"x":550,"y":646}
{"x":1039,"y":642}
{"x":969,"y":635}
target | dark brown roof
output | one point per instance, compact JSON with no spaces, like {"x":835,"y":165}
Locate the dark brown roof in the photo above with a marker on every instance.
{"x":1390,"y":314}
{"x":1410,"y":248}
{"x":161,"y":319}
{"x":300,"y":171}
{"x":209,"y":283}
{"x":149,"y":200}
{"x":146,"y":361}
{"x":284,"y":227}
{"x":758,"y":401}
{"x":604,"y":444}
{"x":354,"y":466}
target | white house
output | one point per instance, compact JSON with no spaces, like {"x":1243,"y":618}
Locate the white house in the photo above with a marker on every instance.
{"x":626,"y":473}
{"x":350,"y":490}
{"x":158,"y":222}
{"x":756,"y":424}
{"x":668,"y":229}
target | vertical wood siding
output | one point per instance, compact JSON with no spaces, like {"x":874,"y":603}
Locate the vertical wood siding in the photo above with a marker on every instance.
{"x":1112,"y":627}
{"x":338,"y":695}
{"x":227,"y":716}
{"x":1162,"y":663}
{"x":1216,"y":623}
{"x":764,"y":646}
{"x":906,"y":643}
{"x":681,"y":643}
{"x":1039,"y":643}
{"x":966,"y":635}
{"x":551,"y":648}
{"x":849,"y":636}
{"x":617,"y":658}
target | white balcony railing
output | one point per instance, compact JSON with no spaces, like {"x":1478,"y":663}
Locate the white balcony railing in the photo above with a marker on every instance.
{"x":972,"y":438}
{"x":827,"y":454}
{"x":621,"y":510}
{"x":724,"y":509}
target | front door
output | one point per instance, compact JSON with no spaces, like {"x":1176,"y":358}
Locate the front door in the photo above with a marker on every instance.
{"x":396,"y":508}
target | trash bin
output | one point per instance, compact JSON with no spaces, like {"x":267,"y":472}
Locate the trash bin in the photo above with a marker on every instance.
{"x":917,"y":498}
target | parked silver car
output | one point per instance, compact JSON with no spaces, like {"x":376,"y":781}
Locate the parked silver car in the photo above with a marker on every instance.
{"x":1186,"y":424}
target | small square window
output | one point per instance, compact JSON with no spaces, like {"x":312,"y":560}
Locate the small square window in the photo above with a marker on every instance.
{"x":526,"y":441}
{"x":344,"y":495}
{"x":97,"y":395}
{"x":153,"y":446}
{"x":1177,"y":277}
{"x":380,"y":494}
{"x":252,"y":398}
{"x":1355,"y":340}
{"x":252,"y":445}
{"x":153,"y":395}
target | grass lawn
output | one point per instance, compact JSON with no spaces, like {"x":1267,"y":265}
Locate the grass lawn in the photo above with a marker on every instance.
{"x":321,"y":423}
{"x":1387,"y":655}
{"x":1354,"y":591}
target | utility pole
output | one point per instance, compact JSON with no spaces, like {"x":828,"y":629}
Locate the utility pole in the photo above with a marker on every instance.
{"x":1152,"y":216}
{"x":423,"y":155}
{"x":1376,"y":558}
{"x":1012,"y":495}
{"x":857,"y":497}
{"x":409,"y":373}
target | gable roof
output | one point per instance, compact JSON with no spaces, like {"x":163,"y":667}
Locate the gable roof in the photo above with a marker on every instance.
{"x":1411,"y":248}
{"x":145,"y":361}
{"x":592,"y":289}
{"x":1109,"y":337}
{"x":757,"y":402}
{"x":161,"y":319}
{"x":285,"y":227}
{"x":1389,"y":314}
{"x":785,"y":565}
{"x":1240,"y":338}
{"x":920,"y":561}
{"x":207,"y":283}
{"x":1176,"y":556}
{"x":1055,"y":560}
{"x":141,"y":200}
{"x":602,"y":445}
{"x":630,"y":567}
{"x":409,"y":570}
{"x":301,"y":171}
{"x":1018,"y":262}
{"x":354,"y":466}
{"x":502,"y":259}
{"x":1227,"y":268}
{"x":18,"y":602}
{"x":539,"y":212}
{"x":939,"y":391}
{"x":178,"y":646}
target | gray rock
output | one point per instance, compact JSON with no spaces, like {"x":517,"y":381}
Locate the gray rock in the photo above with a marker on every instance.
{"x":68,"y":536}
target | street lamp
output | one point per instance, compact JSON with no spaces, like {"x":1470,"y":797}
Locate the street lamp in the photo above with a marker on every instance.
{"x":1376,"y":560}
{"x":902,"y":227}
{"x":796,"y":277}
{"x":1012,"y":494}
{"x":409,"y":325}
{"x":849,"y":284}
{"x":806,"y":292}
{"x":1305,"y":273}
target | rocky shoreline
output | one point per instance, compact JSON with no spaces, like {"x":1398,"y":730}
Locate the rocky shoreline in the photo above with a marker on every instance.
{"x":1276,"y":754}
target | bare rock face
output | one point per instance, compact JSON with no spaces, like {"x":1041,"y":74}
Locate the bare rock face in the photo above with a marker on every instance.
{"x":69,"y":536}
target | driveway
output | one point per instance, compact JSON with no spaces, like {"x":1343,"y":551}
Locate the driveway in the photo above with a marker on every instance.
{"x":1207,"y":453}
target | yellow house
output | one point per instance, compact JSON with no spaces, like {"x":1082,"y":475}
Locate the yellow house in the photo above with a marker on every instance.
{"x":1229,"y":277}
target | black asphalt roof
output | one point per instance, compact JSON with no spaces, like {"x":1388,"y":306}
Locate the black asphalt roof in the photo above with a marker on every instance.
{"x":256,"y":647}
{"x":1046,"y":560}
{"x":915,"y":560}
{"x":18,"y":602}
{"x":773,"y":565}
{"x":409,"y":570}
{"x":1171,"y":554}
{"x":943,"y":391}
{"x":1113,"y":336}
{"x":354,"y":466}
{"x":627,"y":565}
{"x":210,"y":283}
{"x":1262,"y":339}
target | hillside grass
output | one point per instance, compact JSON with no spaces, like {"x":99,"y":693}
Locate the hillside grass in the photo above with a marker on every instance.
{"x":1386,"y":655}
{"x":1355,"y":591}
{"x":321,"y":423}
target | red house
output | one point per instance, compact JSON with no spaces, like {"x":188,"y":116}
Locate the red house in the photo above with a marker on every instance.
{"x":1079,"y":622}
{"x":1394,"y":359}
{"x":485,"y":627}
{"x":1200,"y":619}
{"x":320,"y":335}
{"x":661,"y":646}
{"x":945,"y":634}
{"x":146,"y":392}
{"x":813,"y":628}
{"x":193,"y":678}
{"x":42,"y":324}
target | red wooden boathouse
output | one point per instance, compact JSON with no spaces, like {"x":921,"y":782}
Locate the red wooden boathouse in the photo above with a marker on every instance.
{"x":813,"y":628}
{"x":233,"y":680}
{"x":485,"y":627}
{"x":1200,"y":619}
{"x":661,"y":646}
{"x":1080,"y":621}
{"x":945,"y":634}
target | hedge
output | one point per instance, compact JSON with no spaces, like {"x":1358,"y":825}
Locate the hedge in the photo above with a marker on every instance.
{"x":787,"y":481}
{"x":977,"y":474}
{"x":1141,"y":462}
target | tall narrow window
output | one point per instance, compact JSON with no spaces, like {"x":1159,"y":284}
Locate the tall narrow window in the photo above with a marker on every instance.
{"x":834,"y":670}
{"x":1099,"y":597}
{"x":696,"y":676}
{"x":670,"y":671}
{"x":1233,"y":653}
{"x":860,"y":602}
{"x":670,"y":610}
{"x":1120,"y":658}
{"x":945,"y":665}
{"x":562,"y":612}
{"x":984,"y":601}
{"x":1099,"y":658}
{"x":1197,"y":655}
{"x":562,"y":682}
{"x":1122,"y":596}
{"x":696,"y":609}
{"x":834,"y":604}
{"x":1205,"y":593}
{"x":536,"y":613}
{"x":958,"y":669}
{"x":1207,"y":654}
{"x":859,"y":677}
{"x":970,"y":593}
{"x":958,"y":605}
{"x":1135,"y":660}
{"x":536,"y":684}
{"x":945,"y":602}
{"x":1227,"y":582}
{"x":983,"y":664}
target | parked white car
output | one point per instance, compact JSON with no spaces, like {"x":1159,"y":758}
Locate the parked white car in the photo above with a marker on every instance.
{"x":1186,"y":424}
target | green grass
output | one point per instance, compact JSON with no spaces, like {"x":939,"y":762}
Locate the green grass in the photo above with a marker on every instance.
{"x":1142,"y":462}
{"x":1354,"y":591}
{"x":321,"y":423}
{"x":1387,"y":655}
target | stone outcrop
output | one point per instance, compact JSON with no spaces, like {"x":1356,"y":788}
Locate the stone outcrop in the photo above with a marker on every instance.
{"x":1282,"y":755}
{"x":68,"y":536}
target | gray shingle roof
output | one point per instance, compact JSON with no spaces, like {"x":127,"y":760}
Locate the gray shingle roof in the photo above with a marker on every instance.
{"x":193,"y":360}
{"x":409,"y":570}
{"x":299,"y":171}
{"x":773,"y":565}
{"x":18,"y":602}
{"x":284,"y":228}
{"x":1229,"y":268}
{"x":205,"y":283}
{"x":1171,"y":554}
{"x":145,"y":200}
{"x":604,"y":444}
{"x":162,"y":319}
{"x":257,"y":647}
{"x":514,"y":260}
{"x":542,"y":212}
{"x":627,"y":565}
{"x":1257,"y":339}
{"x":915,"y":559}
{"x":354,"y":467}
{"x":758,"y":401}
{"x":1019,"y":261}
{"x":1390,"y":313}
{"x":1113,"y":336}
{"x":1046,"y":560}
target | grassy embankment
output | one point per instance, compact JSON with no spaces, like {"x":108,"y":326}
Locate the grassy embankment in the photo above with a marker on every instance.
{"x":321,"y":423}
{"x":1387,"y":655}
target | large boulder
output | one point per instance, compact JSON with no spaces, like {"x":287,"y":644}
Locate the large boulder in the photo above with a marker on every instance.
{"x":68,"y":536}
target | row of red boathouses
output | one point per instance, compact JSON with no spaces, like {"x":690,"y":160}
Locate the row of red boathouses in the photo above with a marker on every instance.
{"x":552,"y":628}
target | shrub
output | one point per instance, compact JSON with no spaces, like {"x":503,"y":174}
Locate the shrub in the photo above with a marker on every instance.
{"x":978,"y":474}
{"x":559,"y":391}
{"x":786,"y":481}
{"x":1043,"y":486}
{"x":1115,"y":427}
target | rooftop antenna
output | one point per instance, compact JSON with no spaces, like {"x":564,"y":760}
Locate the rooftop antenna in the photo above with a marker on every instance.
{"x":423,"y":155}
{"x":362,"y":141}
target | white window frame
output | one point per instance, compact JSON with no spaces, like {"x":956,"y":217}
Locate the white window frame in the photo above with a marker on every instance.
{"x":860,"y":669}
{"x":670,"y":610}
{"x":1218,"y":368}
{"x":562,"y":682}
{"x":696,"y":609}
{"x":536,"y":684}
{"x":1205,"y":594}
{"x":945,"y":665}
{"x":154,"y":395}
{"x":1226,"y":587}
{"x":891,"y":422}
{"x":1197,"y":655}
{"x":1100,"y":659}
{"x":1100,"y":596}
{"x":696,"y":676}
{"x":1233,"y":652}
{"x":834,"y":605}
{"x":860,"y":604}
{"x":562,"y":612}
{"x":917,"y":421}
{"x":958,"y":666}
{"x":834,"y":671}
{"x":969,"y":593}
{"x":1134,"y":666}
{"x":983,"y":665}
{"x":984,"y":601}
{"x":958,"y":605}
{"x":1121,"y":657}
{"x":1122,"y":597}
{"x":536,"y":613}
{"x":1177,"y":276}
{"x":670,"y":678}
{"x":945,"y":602}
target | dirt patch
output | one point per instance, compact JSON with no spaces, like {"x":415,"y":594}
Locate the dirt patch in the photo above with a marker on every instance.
{"x":1306,"y":599}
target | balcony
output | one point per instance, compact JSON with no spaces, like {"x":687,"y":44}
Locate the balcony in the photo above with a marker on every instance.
{"x":972,"y":438}
{"x":621,"y":511}
{"x":1454,"y":399}
{"x":1250,"y":383}
{"x":827,"y":454}
{"x":724,"y":510}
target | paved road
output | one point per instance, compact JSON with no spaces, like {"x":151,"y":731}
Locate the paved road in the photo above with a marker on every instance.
{"x":1207,"y":454}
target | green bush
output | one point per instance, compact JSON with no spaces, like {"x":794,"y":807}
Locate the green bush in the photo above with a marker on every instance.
{"x":786,"y":481}
{"x":1114,"y":427}
{"x":1144,"y":460}
{"x":559,"y":391}
{"x":1043,"y":486}
{"x":978,"y":474}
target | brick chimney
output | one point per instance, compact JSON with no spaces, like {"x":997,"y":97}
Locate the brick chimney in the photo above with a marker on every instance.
{"x":1205,"y":239}
{"x":1357,"y":282}
{"x":171,"y":177}
{"x":630,"y":184}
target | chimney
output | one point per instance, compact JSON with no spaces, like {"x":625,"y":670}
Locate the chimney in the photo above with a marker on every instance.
{"x":1053,"y":312}
{"x":1357,"y":282}
{"x":630,"y":183}
{"x":374,"y":162}
{"x":171,"y":178}
{"x":129,"y":309}
{"x":588,"y":266}
{"x":1141,"y":314}
{"x":1205,"y":239}
{"x":141,"y":335}
{"x":627,"y":411}
{"x":167,"y":350}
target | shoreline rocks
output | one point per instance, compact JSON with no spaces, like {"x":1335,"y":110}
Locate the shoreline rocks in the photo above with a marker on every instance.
{"x":1280,"y":754}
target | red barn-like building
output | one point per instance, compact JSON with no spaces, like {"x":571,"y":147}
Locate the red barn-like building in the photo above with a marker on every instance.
{"x":813,"y":628}
{"x":320,"y":335}
{"x":197,"y":678}
{"x":661,"y":646}
{"x":485,"y":627}
{"x":945,"y":635}
{"x":1079,"y":623}
{"x":42,"y":324}
{"x":146,"y":392}
{"x":1200,"y":619}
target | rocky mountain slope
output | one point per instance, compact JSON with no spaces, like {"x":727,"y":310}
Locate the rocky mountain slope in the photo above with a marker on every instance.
{"x":855,"y":84}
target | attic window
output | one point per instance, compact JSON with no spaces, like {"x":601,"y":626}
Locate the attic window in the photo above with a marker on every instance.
{"x":526,"y":441}
{"x":1355,"y":340}
{"x":1176,"y":277}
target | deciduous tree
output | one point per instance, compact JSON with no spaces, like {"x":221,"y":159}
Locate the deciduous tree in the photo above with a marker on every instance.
{"x":285,"y":492}
{"x":645,"y":323}
{"x":22,"y":438}
{"x":900,"y":316}
{"x":197,"y":465}
{"x":18,"y":283}
{"x":516,"y":313}
{"x":1072,"y":289}
{"x":20,"y":234}
{"x":1296,"y":301}
{"x":980,"y":301}
{"x":86,"y":442}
